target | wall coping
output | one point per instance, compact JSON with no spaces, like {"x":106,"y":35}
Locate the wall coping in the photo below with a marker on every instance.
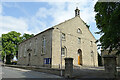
{"x":68,"y":58}
{"x":109,"y":56}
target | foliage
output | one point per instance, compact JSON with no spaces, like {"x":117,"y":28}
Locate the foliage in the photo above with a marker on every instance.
{"x":108,"y":22}
{"x":0,"y":45}
{"x":26,"y":36}
{"x":10,"y":43}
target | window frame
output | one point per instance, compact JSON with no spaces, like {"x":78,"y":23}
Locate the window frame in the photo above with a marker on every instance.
{"x":25,"y":50}
{"x":43,"y":51}
{"x":63,"y":36}
{"x":35,"y":50}
{"x":79,"y":40}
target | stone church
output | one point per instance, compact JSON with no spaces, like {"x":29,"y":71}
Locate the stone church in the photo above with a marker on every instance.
{"x":71,"y":38}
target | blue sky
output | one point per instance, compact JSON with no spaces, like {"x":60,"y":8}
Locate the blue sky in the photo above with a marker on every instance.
{"x":34,"y":17}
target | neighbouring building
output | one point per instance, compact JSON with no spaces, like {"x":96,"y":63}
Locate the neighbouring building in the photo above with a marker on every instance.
{"x":71,"y":38}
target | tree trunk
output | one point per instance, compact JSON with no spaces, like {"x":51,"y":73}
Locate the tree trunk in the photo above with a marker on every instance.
{"x":8,"y":59}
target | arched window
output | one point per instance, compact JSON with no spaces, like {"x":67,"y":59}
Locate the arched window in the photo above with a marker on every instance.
{"x":92,"y":53}
{"x":79,"y":31}
{"x":35,"y":50}
{"x":64,"y":51}
{"x":43,"y":45}
{"x":25,"y":50}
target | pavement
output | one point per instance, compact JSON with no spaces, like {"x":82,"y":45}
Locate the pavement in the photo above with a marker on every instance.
{"x":10,"y":72}
{"x":93,"y":72}
{"x":79,"y":73}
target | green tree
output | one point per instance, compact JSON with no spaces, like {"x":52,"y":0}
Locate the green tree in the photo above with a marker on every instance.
{"x":108,"y":22}
{"x":10,"y":45}
{"x":0,"y":48}
{"x":26,"y":36}
{"x":0,"y":45}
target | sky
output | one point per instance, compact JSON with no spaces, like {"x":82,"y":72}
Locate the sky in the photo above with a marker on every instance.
{"x":33,"y":17}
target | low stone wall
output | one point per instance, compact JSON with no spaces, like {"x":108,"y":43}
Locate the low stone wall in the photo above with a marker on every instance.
{"x":41,"y":69}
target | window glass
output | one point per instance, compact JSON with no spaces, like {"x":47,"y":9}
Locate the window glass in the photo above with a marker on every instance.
{"x":79,"y":31}
{"x":63,"y":51}
{"x":36,"y":46}
{"x":63,"y":36}
{"x":91,"y":43}
{"x":25,"y":50}
{"x":79,"y":40}
{"x":43,"y":45}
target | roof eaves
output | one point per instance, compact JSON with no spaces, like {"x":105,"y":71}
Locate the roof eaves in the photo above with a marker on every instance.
{"x":36,"y":35}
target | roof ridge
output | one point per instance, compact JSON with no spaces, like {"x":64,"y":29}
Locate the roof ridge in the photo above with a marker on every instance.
{"x":64,"y":21}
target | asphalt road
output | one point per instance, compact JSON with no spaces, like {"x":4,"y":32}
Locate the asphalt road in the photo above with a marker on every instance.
{"x":9,"y":72}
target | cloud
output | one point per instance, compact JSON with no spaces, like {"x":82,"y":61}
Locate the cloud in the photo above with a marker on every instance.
{"x":61,"y":11}
{"x":8,"y":23}
{"x":47,"y":17}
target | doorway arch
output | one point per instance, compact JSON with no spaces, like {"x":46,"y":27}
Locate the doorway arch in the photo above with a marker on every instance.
{"x":79,"y":57}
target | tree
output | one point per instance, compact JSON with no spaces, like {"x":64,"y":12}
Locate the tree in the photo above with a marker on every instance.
{"x":10,"y":45}
{"x":26,"y":36}
{"x":1,"y":49}
{"x":0,"y":45}
{"x":108,"y":22}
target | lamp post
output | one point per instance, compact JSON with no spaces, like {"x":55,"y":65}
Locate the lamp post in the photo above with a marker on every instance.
{"x":61,"y":48}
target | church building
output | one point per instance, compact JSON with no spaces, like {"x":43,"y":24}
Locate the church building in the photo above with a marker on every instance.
{"x":48,"y":48}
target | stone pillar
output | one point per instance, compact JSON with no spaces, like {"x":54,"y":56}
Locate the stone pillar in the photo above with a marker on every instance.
{"x":110,"y":65}
{"x":68,"y":67}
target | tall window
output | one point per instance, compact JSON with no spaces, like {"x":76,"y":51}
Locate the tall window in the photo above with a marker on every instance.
{"x":25,"y":50}
{"x":35,"y":50}
{"x":20,"y":51}
{"x":79,"y":40}
{"x":91,"y":53}
{"x":79,"y":31}
{"x":63,"y":36}
{"x":43,"y":45}
{"x":30,"y":43}
{"x":63,"y":51}
{"x":91,"y":43}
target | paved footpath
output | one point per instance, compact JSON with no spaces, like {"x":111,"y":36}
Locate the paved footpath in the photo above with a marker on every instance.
{"x":8,"y":72}
{"x":90,"y":72}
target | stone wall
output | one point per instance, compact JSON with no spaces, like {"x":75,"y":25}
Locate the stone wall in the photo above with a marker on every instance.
{"x":36,"y":55}
{"x":105,"y":52}
{"x":69,"y":28}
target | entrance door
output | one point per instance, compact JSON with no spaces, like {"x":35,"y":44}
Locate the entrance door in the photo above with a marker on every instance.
{"x":79,"y":57}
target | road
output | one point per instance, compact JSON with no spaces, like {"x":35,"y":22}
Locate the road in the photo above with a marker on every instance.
{"x":9,"y":72}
